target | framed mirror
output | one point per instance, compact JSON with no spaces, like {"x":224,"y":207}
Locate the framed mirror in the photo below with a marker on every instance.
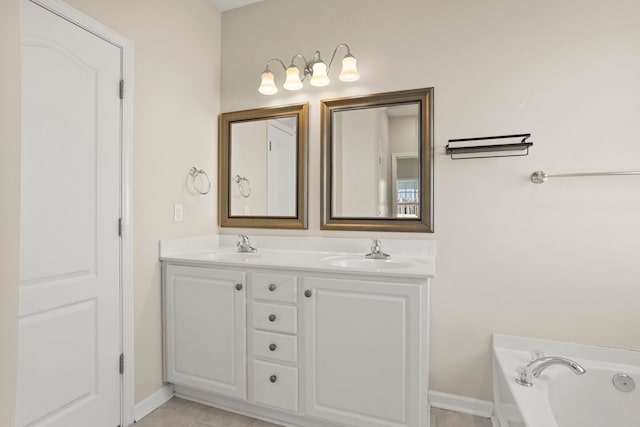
{"x":262,"y":167}
{"x":377,"y":162}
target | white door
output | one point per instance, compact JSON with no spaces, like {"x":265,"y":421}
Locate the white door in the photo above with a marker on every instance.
{"x":69,"y":324}
{"x":281,"y":170}
{"x":205,"y":324}
{"x":363,"y":352}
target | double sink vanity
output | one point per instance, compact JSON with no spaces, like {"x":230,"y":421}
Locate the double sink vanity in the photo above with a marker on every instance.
{"x":308,"y":331}
{"x":303,"y":331}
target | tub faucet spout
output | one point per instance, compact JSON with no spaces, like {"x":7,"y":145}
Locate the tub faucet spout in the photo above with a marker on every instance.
{"x":535,"y":368}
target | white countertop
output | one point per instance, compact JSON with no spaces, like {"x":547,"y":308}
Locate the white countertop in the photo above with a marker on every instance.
{"x":409,"y":258}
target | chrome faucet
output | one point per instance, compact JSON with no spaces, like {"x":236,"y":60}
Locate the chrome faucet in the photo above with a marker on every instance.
{"x":376,"y":251}
{"x":244,"y":245}
{"x":535,"y":368}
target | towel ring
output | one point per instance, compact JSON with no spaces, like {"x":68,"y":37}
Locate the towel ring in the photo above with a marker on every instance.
{"x":195,"y":172}
{"x":240,"y":180}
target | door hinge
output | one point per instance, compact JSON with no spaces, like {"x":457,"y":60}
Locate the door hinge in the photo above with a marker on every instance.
{"x":121,"y":364}
{"x":120,"y":226}
{"x":121,"y":89}
{"x":269,"y":145}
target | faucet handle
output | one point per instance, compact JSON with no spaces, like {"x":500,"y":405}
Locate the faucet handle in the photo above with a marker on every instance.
{"x":536,"y":354}
{"x":376,"y":245}
{"x":524,"y":376}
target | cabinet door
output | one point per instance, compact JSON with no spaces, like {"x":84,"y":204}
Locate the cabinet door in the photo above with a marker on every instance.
{"x":205,"y":326}
{"x":363,"y":352}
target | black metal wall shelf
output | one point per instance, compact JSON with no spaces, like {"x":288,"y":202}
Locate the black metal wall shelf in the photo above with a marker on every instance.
{"x":521,"y":147}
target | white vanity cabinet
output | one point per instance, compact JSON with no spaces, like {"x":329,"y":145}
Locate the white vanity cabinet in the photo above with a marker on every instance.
{"x":205,"y":324}
{"x":365,"y":351}
{"x":298,"y":346}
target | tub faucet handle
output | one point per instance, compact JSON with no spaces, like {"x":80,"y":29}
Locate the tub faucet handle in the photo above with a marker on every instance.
{"x":524,"y":376}
{"x":536,"y":354}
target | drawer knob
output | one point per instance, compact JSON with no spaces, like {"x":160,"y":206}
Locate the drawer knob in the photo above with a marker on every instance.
{"x":272,"y":347}
{"x":239,"y":286}
{"x":273,"y":378}
{"x":272,"y":318}
{"x":272,"y":287}
{"x":308,"y":293}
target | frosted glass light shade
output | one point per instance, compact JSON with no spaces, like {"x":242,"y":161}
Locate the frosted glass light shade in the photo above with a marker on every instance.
{"x":320,"y":77}
{"x":293,"y":79}
{"x":349,"y":71}
{"x":268,"y":84}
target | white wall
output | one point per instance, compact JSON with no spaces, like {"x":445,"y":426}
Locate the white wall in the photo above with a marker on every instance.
{"x":403,"y":134}
{"x":358,"y":175}
{"x":176,"y":104}
{"x":558,"y":260}
{"x":249,"y":160}
{"x":9,"y":203}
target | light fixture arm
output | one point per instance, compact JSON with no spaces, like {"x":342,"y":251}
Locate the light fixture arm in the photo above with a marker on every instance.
{"x":284,"y":67}
{"x":334,"y":54}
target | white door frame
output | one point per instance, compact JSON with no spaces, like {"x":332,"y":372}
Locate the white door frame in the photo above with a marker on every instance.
{"x":126,"y":283}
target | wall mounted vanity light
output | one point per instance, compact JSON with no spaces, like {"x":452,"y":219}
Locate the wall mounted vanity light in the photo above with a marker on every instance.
{"x":316,"y":69}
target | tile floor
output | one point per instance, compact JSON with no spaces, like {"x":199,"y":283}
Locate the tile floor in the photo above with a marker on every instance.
{"x":183,"y":413}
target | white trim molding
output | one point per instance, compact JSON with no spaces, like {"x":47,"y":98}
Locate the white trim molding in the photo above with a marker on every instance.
{"x":126,"y":283}
{"x":154,"y":401}
{"x":465,"y":405}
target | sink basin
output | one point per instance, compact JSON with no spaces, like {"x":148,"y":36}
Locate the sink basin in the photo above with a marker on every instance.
{"x":232,"y":256}
{"x":362,"y":263}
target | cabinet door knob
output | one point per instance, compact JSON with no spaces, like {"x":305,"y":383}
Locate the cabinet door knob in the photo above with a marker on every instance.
{"x":273,"y":378}
{"x":272,"y":318}
{"x":272,"y":287}
{"x":272,"y":347}
{"x":239,"y":286}
{"x":308,"y":293}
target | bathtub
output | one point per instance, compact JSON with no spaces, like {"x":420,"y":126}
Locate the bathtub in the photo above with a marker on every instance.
{"x":559,"y":398}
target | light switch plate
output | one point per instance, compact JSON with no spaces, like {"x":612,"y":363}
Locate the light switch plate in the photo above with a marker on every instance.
{"x":177,"y":213}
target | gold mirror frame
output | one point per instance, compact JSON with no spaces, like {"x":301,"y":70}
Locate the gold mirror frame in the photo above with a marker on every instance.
{"x":299,"y":221}
{"x":423,"y":224}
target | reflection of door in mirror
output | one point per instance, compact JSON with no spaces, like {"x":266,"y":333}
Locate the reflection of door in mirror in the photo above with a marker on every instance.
{"x":263,"y":156}
{"x":370,"y":147}
{"x":281,"y":167}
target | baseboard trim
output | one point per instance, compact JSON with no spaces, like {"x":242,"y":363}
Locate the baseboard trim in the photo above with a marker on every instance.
{"x":152,"y":402}
{"x":466,"y":405}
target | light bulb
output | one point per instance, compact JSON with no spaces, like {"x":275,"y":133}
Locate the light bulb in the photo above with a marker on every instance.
{"x":320,"y":77}
{"x":268,"y":84}
{"x":349,"y":71}
{"x":293,"y":78}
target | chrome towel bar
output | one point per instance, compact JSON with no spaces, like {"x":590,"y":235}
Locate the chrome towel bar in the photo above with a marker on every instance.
{"x":539,"y":177}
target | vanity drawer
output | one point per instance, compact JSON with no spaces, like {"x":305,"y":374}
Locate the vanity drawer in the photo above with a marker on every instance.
{"x":274,"y":287}
{"x":274,"y":317}
{"x":275,"y":346}
{"x":275,"y":385}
